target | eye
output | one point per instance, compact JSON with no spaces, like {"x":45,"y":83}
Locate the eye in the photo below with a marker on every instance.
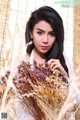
{"x":52,"y":34}
{"x":40,"y":32}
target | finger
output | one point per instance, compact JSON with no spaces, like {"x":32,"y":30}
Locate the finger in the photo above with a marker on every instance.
{"x":51,"y":65}
{"x":51,"y":61}
{"x":56,"y":67}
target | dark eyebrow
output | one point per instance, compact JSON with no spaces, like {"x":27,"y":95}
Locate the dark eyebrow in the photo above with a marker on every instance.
{"x":40,"y":29}
{"x":44,"y":31}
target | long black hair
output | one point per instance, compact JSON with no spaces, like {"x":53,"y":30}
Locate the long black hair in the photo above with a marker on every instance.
{"x":51,"y":16}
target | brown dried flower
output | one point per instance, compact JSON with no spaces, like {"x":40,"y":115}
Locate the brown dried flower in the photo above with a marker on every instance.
{"x":43,"y":90}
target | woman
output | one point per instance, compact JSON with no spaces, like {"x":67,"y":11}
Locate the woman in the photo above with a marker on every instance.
{"x":44,"y":38}
{"x":46,"y":33}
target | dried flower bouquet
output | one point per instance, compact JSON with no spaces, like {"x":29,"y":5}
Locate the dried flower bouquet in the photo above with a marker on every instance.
{"x":43,"y":90}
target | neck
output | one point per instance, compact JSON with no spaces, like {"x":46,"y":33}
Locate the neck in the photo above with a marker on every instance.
{"x":39,"y":57}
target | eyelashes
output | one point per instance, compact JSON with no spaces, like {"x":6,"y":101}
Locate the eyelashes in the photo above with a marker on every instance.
{"x":52,"y":34}
{"x":40,"y":33}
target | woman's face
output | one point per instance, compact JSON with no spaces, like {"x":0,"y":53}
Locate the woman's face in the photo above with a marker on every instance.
{"x":43,"y":37}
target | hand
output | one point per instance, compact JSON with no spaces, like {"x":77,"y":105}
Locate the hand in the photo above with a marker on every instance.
{"x":55,"y":63}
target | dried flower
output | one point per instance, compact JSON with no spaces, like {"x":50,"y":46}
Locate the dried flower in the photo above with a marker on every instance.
{"x":43,"y":90}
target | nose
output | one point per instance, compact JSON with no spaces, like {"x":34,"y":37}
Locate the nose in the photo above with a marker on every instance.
{"x":45,"y":39}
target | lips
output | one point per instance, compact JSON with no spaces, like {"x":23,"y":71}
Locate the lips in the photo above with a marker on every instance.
{"x":44,"y":47}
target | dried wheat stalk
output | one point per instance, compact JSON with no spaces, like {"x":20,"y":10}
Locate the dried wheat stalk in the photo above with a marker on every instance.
{"x":43,"y":90}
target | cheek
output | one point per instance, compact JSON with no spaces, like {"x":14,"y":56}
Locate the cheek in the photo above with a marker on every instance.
{"x":36,"y":39}
{"x":52,"y":42}
{"x":36,"y":42}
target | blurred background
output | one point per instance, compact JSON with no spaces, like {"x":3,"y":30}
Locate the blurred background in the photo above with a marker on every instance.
{"x":13,"y":18}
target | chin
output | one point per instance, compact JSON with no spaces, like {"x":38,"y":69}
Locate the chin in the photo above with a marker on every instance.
{"x":44,"y":52}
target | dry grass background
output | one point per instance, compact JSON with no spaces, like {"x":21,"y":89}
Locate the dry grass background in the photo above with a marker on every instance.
{"x":7,"y":42}
{"x":8,"y":46}
{"x":11,"y":40}
{"x":76,"y":48}
{"x":4,"y":15}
